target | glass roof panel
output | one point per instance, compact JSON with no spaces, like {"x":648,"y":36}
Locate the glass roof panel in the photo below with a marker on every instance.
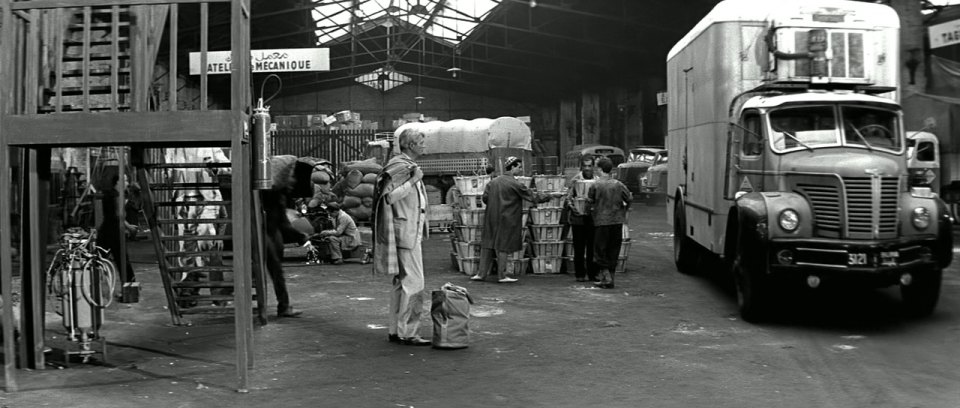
{"x":451,"y":23}
{"x":383,"y":80}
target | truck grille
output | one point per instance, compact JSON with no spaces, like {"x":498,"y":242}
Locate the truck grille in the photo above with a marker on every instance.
{"x":863,"y":204}
{"x":825,"y":201}
{"x":870,"y":213}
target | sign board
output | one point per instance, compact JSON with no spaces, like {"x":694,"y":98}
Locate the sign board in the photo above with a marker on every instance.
{"x":661,"y":98}
{"x":281,"y":60}
{"x":944,"y":34}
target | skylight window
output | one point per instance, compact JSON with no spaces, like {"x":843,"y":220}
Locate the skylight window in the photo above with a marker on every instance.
{"x":383,"y":79}
{"x":451,"y":22}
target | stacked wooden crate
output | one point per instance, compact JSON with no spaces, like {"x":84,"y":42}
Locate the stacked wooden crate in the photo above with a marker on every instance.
{"x":547,"y":245}
{"x":468,"y":215}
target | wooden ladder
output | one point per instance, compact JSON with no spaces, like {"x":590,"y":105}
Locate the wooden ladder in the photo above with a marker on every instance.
{"x":187,"y":268}
{"x":93,"y":70}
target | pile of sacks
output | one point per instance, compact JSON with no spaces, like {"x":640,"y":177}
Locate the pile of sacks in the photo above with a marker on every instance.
{"x":355,"y":188}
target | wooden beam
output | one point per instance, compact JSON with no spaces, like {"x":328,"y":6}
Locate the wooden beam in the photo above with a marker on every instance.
{"x":53,"y":4}
{"x":173,"y":129}
{"x":7,"y":81}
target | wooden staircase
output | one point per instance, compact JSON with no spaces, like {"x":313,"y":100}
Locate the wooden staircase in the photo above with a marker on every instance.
{"x":92,"y":68}
{"x":186,"y":211}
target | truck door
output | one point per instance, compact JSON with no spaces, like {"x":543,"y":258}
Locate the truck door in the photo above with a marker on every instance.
{"x":745,"y":154}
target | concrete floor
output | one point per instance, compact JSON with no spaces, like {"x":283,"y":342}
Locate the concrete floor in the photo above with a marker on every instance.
{"x":660,"y":339}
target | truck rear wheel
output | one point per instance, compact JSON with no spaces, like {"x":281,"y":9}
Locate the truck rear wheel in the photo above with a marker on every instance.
{"x":920,"y":297}
{"x":684,"y":250}
{"x":752,"y":291}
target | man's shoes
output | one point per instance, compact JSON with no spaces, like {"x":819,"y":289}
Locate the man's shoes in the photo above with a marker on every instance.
{"x":289,"y":313}
{"x":414,"y":341}
{"x":608,"y":285}
{"x":476,"y":278}
{"x":508,"y":280}
{"x":393,"y":338}
{"x":581,"y":280}
{"x":337,"y":262}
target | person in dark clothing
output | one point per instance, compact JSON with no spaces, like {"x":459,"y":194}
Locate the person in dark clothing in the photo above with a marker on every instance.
{"x":581,"y":224}
{"x":502,"y":221}
{"x":609,"y":200}
{"x":279,"y":231}
{"x":108,"y":233}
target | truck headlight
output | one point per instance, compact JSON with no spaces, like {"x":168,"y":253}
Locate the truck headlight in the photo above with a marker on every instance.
{"x":789,"y":220}
{"x":920,"y":218}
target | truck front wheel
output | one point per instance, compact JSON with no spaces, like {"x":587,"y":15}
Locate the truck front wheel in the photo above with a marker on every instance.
{"x":753,"y":291}
{"x":920,"y":296}
{"x":683,"y":248}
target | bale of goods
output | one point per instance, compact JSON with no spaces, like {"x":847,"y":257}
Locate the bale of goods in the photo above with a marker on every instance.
{"x":477,"y":135}
{"x":355,"y":188}
{"x":367,"y":166}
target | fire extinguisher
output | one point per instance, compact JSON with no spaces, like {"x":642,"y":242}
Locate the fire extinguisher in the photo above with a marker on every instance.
{"x":263,"y":140}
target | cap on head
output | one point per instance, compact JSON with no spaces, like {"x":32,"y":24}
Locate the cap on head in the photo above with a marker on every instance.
{"x":333,"y":206}
{"x":511,"y":162}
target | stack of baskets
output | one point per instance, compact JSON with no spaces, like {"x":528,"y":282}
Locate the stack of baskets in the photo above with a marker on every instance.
{"x":468,"y":223}
{"x":546,"y":227}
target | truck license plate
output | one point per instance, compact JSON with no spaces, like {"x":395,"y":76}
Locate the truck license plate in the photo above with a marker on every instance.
{"x":889,"y":258}
{"x":856,"y":258}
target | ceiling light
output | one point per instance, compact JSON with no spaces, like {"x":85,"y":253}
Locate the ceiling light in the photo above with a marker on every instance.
{"x":453,"y":71}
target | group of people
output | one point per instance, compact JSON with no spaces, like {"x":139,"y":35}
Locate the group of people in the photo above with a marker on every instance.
{"x":598,"y":231}
{"x":400,"y":221}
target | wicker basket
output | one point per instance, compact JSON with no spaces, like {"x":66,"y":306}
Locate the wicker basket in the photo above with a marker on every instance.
{"x":470,"y":202}
{"x":456,"y":261}
{"x":468,"y":249}
{"x":517,"y":266}
{"x":472,"y":217}
{"x":553,"y":202}
{"x":547,"y":249}
{"x":568,"y":248}
{"x":582,"y":187}
{"x":543,"y":215}
{"x":547,"y":183}
{"x":519,"y":254}
{"x":579,"y":204}
{"x":546,"y":265}
{"x":524,"y":180}
{"x":470,"y":266}
{"x":548,"y":232}
{"x":624,"y":248}
{"x":469,"y":233}
{"x":621,"y":265}
{"x":523,"y":218}
{"x":471,"y":185}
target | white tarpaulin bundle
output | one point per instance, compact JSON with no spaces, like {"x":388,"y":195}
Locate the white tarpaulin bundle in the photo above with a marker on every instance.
{"x":477,"y":135}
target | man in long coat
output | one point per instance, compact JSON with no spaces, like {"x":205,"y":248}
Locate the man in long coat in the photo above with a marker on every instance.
{"x":399,"y":224}
{"x":502,"y":221}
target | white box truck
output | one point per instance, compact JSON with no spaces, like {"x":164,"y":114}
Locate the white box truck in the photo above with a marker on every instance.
{"x":789,"y":155}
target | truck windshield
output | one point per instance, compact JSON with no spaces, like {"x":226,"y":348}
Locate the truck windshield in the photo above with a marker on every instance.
{"x":810,"y":127}
{"x":871,"y":127}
